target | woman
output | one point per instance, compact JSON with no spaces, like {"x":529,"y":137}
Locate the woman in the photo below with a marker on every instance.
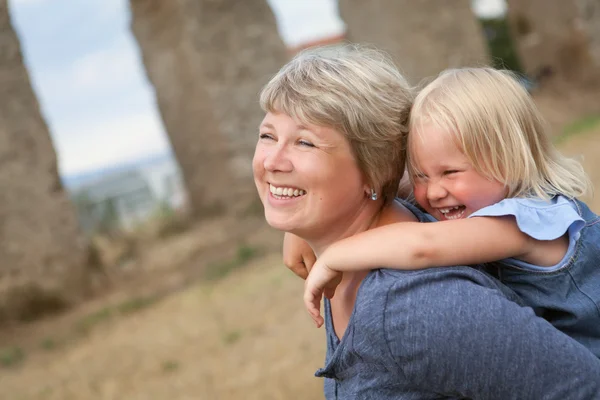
{"x":327,"y":166}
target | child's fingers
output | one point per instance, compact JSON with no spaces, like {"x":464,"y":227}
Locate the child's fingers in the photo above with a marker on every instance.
{"x":312,"y":302}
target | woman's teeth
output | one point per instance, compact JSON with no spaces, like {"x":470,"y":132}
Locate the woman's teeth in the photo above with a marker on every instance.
{"x":455,"y":212}
{"x":287,"y":192}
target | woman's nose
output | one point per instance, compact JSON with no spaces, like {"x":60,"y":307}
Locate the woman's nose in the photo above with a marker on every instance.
{"x":435,"y":191}
{"x":277,"y":159}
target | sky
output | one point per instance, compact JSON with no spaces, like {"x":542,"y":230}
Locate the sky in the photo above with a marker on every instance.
{"x":86,"y":71}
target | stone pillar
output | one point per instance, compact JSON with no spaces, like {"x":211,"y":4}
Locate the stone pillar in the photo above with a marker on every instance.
{"x":42,"y":253}
{"x":557,"y":39}
{"x":208,"y":60}
{"x":240,"y":50}
{"x":424,"y":37}
{"x":176,"y":71}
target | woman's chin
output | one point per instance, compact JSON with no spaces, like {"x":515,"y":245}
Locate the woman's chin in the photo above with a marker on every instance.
{"x":279,"y":222}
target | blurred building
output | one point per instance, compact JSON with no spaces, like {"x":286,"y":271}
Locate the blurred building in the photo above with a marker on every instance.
{"x":125,"y":199}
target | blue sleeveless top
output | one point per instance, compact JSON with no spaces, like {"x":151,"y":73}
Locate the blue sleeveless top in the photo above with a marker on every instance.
{"x":568,"y":293}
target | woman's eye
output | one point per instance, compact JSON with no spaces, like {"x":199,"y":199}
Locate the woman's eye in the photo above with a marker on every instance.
{"x":265,"y":136}
{"x":306,"y":143}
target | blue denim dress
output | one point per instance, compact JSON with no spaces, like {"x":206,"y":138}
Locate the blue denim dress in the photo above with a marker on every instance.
{"x":568,"y":293}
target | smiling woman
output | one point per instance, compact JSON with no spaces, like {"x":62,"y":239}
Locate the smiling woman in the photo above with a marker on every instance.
{"x":327,"y":164}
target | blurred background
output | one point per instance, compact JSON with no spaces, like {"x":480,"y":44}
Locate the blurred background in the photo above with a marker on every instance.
{"x":134,"y":259}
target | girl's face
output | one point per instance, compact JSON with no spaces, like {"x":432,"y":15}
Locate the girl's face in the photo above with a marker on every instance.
{"x":447,"y":186}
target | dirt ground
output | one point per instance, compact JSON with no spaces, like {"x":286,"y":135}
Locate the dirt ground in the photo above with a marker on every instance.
{"x":244,"y":336}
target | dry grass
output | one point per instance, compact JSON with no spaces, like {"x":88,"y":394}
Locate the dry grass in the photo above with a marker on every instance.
{"x":587,"y":146}
{"x":246,"y":336}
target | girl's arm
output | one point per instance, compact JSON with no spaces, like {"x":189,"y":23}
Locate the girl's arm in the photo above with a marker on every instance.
{"x":415,"y":245}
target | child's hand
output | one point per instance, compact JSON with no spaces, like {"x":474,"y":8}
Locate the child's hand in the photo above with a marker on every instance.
{"x":297,"y":255}
{"x":321,"y":280}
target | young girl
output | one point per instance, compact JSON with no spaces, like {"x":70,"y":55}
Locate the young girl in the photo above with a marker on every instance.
{"x":480,"y":162}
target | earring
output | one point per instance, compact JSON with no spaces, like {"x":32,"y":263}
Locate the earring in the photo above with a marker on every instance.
{"x":373,"y":194}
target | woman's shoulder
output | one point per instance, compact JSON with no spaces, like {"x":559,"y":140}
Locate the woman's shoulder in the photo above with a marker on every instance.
{"x":541,"y":219}
{"x":401,"y":210}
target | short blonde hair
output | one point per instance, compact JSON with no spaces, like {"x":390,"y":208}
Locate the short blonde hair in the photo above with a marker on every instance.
{"x":359,"y":92}
{"x":495,"y":123}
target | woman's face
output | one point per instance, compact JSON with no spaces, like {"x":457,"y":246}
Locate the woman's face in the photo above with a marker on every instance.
{"x":307,"y":177}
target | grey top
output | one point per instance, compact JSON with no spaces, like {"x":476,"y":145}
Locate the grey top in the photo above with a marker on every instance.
{"x":451,"y":333}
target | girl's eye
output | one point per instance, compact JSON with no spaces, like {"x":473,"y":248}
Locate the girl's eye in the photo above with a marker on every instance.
{"x":420,"y":177}
{"x":265,"y":136}
{"x":451,"y":171}
{"x":306,"y":143}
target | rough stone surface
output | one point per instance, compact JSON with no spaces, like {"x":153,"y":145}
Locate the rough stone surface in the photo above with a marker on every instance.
{"x":208,"y":61}
{"x":41,"y":250}
{"x":240,"y":50}
{"x":177,"y":73}
{"x":424,"y":37}
{"x":558,"y":38}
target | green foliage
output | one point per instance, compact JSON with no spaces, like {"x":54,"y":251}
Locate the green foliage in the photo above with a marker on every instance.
{"x":109,"y":221}
{"x":85,"y":324}
{"x":501,"y":45}
{"x":170,"y":366}
{"x":130,"y":306}
{"x":220,"y":270}
{"x":11,"y":356}
{"x":169,"y":221}
{"x":49,"y":344}
{"x":232,"y":337}
{"x":579,"y":126}
{"x":136,"y":304}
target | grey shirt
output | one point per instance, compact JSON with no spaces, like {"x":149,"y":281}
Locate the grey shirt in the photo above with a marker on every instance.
{"x":451,"y":332}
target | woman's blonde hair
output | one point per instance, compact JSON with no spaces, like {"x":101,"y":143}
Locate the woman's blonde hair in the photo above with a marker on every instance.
{"x":357,"y":91}
{"x":495,"y":123}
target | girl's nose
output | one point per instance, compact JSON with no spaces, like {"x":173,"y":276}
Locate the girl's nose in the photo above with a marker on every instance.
{"x":435,"y":191}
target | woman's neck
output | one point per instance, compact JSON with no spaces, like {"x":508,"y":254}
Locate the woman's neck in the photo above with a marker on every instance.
{"x":366,"y":218}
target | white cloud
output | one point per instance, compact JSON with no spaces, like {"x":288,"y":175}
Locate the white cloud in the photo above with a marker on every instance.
{"x":105,"y":69}
{"x":98,"y":144}
{"x":305,"y":21}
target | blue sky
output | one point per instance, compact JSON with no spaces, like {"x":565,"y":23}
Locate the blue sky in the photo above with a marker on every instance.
{"x":86,"y":71}
{"x":85,"y":68}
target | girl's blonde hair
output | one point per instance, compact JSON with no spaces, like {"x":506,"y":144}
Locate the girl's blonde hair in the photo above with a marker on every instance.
{"x":356,"y":90}
{"x":495,"y":123}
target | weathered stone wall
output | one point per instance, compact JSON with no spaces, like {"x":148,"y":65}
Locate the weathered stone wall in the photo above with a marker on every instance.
{"x":208,"y":61}
{"x":558,"y":38}
{"x":424,"y":37}
{"x":41,"y":250}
